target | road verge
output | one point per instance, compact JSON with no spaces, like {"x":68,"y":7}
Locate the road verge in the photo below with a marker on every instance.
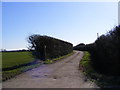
{"x":101,"y":80}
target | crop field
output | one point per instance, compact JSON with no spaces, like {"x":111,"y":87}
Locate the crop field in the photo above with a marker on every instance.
{"x":10,"y":59}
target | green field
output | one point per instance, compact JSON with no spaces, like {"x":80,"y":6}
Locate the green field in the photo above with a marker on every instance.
{"x":10,"y":59}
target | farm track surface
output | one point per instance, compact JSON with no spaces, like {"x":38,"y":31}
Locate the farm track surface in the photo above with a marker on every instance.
{"x":64,"y":73}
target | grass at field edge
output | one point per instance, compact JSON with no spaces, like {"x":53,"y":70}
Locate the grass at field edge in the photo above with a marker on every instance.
{"x":48,"y":61}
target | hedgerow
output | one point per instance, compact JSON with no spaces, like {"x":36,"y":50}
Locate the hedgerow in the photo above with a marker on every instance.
{"x":45,"y":47}
{"x":105,"y":55}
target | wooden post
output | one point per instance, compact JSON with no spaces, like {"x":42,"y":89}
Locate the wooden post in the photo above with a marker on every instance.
{"x":45,"y":51}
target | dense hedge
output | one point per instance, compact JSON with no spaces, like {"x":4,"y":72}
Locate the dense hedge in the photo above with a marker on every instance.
{"x":105,"y":55}
{"x":105,"y":52}
{"x":45,"y":47}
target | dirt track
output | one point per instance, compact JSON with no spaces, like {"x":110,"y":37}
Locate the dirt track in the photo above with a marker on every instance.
{"x":61,"y":74}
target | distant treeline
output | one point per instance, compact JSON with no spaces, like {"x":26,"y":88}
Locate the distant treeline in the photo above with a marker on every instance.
{"x":45,"y":47}
{"x":105,"y":52}
{"x":16,"y":50}
{"x":83,"y":47}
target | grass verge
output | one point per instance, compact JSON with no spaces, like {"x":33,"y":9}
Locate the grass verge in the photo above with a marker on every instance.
{"x":48,"y":61}
{"x":101,"y":80}
{"x":12,"y":73}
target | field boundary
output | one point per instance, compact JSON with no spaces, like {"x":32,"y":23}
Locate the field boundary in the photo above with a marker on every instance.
{"x":19,"y":66}
{"x":12,"y":73}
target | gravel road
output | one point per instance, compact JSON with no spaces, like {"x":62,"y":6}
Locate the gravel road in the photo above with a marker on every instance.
{"x":64,"y":73}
